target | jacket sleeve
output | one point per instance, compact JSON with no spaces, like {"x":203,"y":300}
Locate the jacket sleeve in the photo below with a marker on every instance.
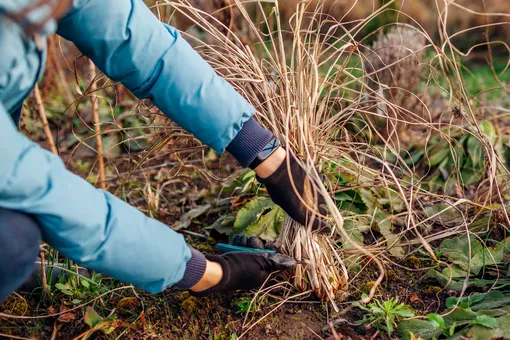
{"x":88,"y":225}
{"x":130,"y":45}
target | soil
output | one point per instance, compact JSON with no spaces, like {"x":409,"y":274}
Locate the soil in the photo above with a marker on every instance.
{"x":175,"y":314}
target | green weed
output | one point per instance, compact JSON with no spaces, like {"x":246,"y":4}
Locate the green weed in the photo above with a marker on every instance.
{"x":384,"y":315}
{"x":246,"y":304}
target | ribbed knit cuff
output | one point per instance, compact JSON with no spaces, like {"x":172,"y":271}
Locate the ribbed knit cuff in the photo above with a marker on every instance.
{"x":249,"y":142}
{"x":195,"y":269}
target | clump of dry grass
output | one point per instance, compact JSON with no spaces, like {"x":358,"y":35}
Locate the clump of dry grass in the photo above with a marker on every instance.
{"x":280,"y":75}
{"x":314,"y":83}
{"x":395,"y":68}
{"x":395,"y":59}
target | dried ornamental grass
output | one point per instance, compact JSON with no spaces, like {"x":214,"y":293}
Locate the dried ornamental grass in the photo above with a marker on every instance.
{"x":294,"y":100}
{"x":309,"y":82}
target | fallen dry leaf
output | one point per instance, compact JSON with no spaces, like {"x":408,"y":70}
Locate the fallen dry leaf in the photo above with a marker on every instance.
{"x":65,"y":317}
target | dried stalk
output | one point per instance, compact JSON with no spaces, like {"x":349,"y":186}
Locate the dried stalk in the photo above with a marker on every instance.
{"x":53,"y":149}
{"x":44,"y":120}
{"x":97,"y":124}
{"x":287,"y":98}
{"x":323,"y":270}
{"x":44,"y":279}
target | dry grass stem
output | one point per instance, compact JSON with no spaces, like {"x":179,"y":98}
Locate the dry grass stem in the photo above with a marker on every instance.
{"x":42,"y":114}
{"x":97,"y":125}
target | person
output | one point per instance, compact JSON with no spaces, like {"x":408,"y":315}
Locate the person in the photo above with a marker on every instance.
{"x":41,"y":200}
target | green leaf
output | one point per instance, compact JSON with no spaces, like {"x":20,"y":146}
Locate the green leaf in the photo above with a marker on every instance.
{"x":476,"y":152}
{"x":438,"y":152}
{"x":452,"y":302}
{"x":416,"y":156}
{"x":342,"y":196}
{"x":85,"y":283}
{"x":223,"y":224}
{"x":186,"y":219}
{"x":243,"y":182}
{"x":376,"y":310}
{"x":476,"y":297}
{"x":91,"y":317}
{"x":457,"y":249}
{"x":250,"y":213}
{"x":489,"y":130}
{"x":406,"y":313}
{"x":268,"y":226}
{"x":393,"y":199}
{"x":67,"y":290}
{"x":460,"y":316}
{"x":418,"y":328}
{"x":470,"y":174}
{"x":486,"y":321}
{"x":454,"y":271}
{"x":369,"y":199}
{"x":490,"y":256}
{"x":61,"y":286}
{"x":444,"y":214}
{"x":444,"y":280}
{"x":492,"y":300}
{"x":354,"y":230}
{"x":502,"y":330}
{"x":437,"y":320}
{"x":494,"y":312}
{"x":385,"y":228}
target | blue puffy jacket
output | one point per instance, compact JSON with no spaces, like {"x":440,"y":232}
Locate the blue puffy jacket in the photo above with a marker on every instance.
{"x":127,"y":42}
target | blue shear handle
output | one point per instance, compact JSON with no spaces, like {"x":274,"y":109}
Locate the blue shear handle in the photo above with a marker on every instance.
{"x":228,"y":248}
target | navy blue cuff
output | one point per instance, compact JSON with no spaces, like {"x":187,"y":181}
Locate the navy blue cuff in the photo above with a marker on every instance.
{"x":249,"y":142}
{"x":195,"y":269}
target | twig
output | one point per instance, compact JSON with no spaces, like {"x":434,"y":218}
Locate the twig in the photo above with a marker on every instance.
{"x":97,"y":127}
{"x":53,"y":149}
{"x":312,"y":331}
{"x":333,"y":330}
{"x":56,"y":328}
{"x":195,"y":234}
{"x":54,"y":46}
{"x":42,"y":115}
{"x":9,"y":336}
{"x":46,"y":288}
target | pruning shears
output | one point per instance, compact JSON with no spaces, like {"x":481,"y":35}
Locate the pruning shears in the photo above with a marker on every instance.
{"x":229,"y":248}
{"x":283,"y":260}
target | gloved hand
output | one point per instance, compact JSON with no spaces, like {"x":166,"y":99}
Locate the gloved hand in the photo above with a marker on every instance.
{"x":246,"y":270}
{"x":282,"y":192}
{"x":252,"y":242}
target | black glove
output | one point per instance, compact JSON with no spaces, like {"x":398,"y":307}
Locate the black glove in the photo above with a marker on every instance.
{"x":246,"y":270}
{"x":252,"y":242}
{"x":282,"y":192}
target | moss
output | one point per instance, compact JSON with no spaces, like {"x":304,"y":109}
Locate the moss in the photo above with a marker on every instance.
{"x":391,"y":275}
{"x":205,"y":248}
{"x":415,"y":262}
{"x":432,"y":290}
{"x":128,"y":303}
{"x":15,"y":306}
{"x":367,"y":286}
{"x":183,"y":296}
{"x":190,"y":304}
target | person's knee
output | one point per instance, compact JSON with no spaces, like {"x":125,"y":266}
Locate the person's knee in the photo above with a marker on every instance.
{"x":20,"y":234}
{"x":20,"y":238}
